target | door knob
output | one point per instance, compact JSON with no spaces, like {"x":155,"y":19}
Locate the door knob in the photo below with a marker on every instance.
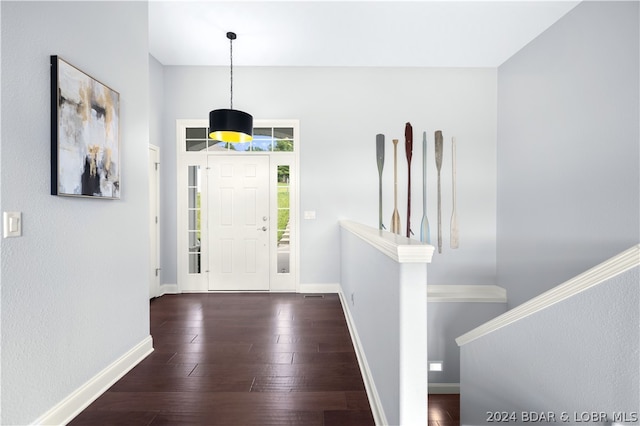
{"x":264,"y":228}
{"x":264,"y":218}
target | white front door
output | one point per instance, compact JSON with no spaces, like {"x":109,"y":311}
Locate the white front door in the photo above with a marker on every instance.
{"x":239,"y":223}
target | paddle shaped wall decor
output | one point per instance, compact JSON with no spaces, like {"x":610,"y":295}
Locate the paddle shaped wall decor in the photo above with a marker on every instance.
{"x":425,"y":235}
{"x":395,"y":217}
{"x":380,"y":161}
{"x":439,"y":146}
{"x":408,"y":147}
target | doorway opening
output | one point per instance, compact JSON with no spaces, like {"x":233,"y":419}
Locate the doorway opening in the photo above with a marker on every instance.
{"x":238,"y":209}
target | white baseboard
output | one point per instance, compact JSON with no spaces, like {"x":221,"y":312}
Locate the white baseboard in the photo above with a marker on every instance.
{"x":319,"y":288}
{"x":446,"y":388}
{"x":374,"y":399}
{"x":63,"y":412}
{"x":168,"y":289}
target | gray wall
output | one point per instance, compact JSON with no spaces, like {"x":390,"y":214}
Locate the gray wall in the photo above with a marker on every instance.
{"x":156,"y":102}
{"x":75,"y":285}
{"x":577,"y":356}
{"x":375,"y":310}
{"x":447,"y":321}
{"x":340,"y":111}
{"x":568,"y":149}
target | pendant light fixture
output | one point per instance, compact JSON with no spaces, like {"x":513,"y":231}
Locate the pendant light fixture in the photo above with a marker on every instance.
{"x":230,"y":125}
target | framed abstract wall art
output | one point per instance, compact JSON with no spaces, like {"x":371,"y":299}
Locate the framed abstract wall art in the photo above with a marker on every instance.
{"x":85,"y":134}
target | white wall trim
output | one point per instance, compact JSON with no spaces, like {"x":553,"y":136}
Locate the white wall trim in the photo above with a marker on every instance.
{"x":168,"y":289}
{"x":367,"y":377}
{"x":444,"y":388}
{"x":63,"y":412}
{"x":598,"y":274}
{"x":319,"y":288}
{"x":302,"y":288}
{"x":466,"y":293}
{"x":399,"y":248}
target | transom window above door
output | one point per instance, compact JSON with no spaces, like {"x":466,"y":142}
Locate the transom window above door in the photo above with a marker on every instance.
{"x":265,"y":139}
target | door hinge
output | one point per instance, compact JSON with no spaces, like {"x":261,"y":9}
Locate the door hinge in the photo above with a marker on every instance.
{"x":157,"y":164}
{"x":157,"y":271}
{"x":156,"y":220}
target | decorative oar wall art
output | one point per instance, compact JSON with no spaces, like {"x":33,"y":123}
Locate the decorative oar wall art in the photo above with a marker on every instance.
{"x":380,"y":161}
{"x":395,"y":217}
{"x":425,"y":235}
{"x":408,"y":147}
{"x":439,"y":146}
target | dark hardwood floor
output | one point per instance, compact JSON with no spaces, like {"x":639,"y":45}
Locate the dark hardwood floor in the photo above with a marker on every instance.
{"x":241,"y":359}
{"x":444,"y":410}
{"x":247,"y":359}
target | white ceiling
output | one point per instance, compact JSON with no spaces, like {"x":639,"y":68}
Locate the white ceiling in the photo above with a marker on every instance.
{"x":446,"y":33}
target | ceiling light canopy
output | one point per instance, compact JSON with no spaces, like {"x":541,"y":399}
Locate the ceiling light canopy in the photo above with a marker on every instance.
{"x":230,"y":125}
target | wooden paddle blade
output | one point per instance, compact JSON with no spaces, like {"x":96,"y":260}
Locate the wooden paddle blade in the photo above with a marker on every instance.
{"x":408,"y":146}
{"x":439,"y":145}
{"x":395,"y":222}
{"x":380,"y":151}
{"x":408,"y":141}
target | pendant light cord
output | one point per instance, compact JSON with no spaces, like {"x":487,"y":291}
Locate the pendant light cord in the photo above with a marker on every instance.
{"x":231,"y":61}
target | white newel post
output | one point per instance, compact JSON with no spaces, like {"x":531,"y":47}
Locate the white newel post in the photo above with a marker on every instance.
{"x":414,"y":385}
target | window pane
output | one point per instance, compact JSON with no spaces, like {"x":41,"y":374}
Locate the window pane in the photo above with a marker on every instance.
{"x":243,"y":146}
{"x":196,"y":133}
{"x":283,"y":133}
{"x":284,"y":253}
{"x":194,"y":197}
{"x":262,"y":143}
{"x":196,"y":145}
{"x":194,"y":175}
{"x":283,"y":139}
{"x":193,"y":218}
{"x":262,"y":131}
{"x":194,"y":242}
{"x":194,"y":263}
{"x":217,"y":145}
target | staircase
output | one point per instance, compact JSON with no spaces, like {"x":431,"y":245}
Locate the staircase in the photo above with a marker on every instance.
{"x":568,"y":356}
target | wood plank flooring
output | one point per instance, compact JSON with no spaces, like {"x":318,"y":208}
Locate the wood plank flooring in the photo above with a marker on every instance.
{"x":241,"y":359}
{"x":444,"y":410}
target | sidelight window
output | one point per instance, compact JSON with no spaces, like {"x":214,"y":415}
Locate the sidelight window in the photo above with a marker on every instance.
{"x":194,"y":213}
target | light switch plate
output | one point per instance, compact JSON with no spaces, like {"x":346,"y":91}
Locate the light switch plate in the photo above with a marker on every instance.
{"x":12,"y":224}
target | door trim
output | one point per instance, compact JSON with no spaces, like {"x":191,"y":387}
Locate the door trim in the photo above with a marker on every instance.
{"x":187,"y":282}
{"x":154,"y":221}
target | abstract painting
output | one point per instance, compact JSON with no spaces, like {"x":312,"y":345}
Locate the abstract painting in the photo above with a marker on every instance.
{"x":85,"y":135}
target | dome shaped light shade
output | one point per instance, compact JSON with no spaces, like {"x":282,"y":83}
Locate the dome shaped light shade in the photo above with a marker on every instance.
{"x":230,"y":125}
